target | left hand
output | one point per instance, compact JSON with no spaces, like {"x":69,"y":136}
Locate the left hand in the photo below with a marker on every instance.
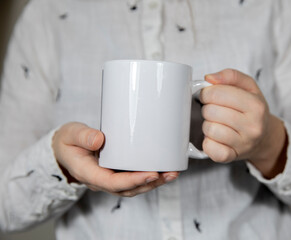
{"x":238,"y":124}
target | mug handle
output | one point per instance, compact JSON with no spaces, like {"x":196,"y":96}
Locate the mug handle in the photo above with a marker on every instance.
{"x":196,"y":86}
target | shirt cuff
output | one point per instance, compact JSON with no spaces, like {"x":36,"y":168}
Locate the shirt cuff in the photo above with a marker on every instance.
{"x":36,"y":188}
{"x":53,"y":175}
{"x":39,"y":166}
{"x":53,"y":170}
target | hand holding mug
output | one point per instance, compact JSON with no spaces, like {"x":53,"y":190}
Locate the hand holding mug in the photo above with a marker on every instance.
{"x":75,"y":145}
{"x":145,"y":118}
{"x":238,"y":124}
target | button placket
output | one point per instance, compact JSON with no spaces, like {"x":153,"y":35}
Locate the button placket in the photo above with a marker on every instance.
{"x":172,"y":238}
{"x":153,"y":4}
{"x":152,"y":29}
{"x":170,"y":211}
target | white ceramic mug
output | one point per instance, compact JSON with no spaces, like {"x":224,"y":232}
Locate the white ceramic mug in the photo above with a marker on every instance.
{"x":145,"y":116}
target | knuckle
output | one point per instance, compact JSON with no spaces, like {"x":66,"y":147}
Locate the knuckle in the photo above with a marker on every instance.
{"x":260,"y":108}
{"x":91,"y":138}
{"x":205,"y":145}
{"x":256,"y":131}
{"x":83,"y":136}
{"x":222,"y":156}
{"x":225,"y":155}
{"x":230,"y":73}
{"x":205,"y":128}
{"x":205,"y":111}
{"x":213,"y":95}
{"x":207,"y":95}
{"x":128,"y":194}
{"x":211,"y":129}
{"x":203,"y":96}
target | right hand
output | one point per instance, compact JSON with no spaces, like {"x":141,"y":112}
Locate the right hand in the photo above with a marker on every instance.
{"x":75,"y":146}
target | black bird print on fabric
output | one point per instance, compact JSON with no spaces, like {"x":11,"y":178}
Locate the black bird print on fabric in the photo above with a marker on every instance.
{"x":117,"y":206}
{"x":63,"y":16}
{"x":258,"y":74}
{"x":180,"y":28}
{"x":197,"y":225}
{"x":133,"y":7}
{"x":59,"y":94}
{"x":57,"y":177}
{"x":30,"y":172}
{"x":25,"y":71}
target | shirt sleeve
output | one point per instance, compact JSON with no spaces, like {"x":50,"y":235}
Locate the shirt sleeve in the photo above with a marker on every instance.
{"x":281,"y":184}
{"x":33,"y":188}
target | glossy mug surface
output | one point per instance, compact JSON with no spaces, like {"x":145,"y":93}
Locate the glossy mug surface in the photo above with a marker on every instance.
{"x":145,"y":115}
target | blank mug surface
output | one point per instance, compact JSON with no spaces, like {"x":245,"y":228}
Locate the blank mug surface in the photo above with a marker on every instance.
{"x":145,"y":115}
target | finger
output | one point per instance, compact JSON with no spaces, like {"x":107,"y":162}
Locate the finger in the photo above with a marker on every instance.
{"x":170,"y":176}
{"x":223,"y":115}
{"x":89,"y":172}
{"x":83,"y":136}
{"x":143,"y":189}
{"x":124,"y":181}
{"x":221,"y":133}
{"x":218,"y":152}
{"x":228,"y":96}
{"x":151,"y":179}
{"x":234,"y":78}
{"x":165,"y":177}
{"x":85,"y":168}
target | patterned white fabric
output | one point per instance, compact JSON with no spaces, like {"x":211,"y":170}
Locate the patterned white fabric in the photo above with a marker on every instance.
{"x":52,"y":76}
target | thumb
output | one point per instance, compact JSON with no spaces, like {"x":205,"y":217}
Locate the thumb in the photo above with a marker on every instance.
{"x":234,"y":78}
{"x":83,"y":136}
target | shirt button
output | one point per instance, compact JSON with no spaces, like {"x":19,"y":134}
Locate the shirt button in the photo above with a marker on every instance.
{"x":172,"y":238}
{"x":153,"y":5}
{"x":148,"y":27}
{"x":287,"y":188}
{"x":156,"y":55}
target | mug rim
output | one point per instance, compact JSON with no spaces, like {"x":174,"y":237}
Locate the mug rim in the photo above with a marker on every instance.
{"x":148,"y":61}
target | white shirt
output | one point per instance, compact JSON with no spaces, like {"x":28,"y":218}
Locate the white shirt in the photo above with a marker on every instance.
{"x":52,"y":76}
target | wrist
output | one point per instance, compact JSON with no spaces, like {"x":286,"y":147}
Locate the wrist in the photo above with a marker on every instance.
{"x":271,"y":156}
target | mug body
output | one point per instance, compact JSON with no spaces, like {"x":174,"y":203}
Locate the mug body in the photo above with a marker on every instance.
{"x":145,"y":115}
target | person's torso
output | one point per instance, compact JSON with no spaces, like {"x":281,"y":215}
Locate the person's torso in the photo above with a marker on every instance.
{"x":209,"y":200}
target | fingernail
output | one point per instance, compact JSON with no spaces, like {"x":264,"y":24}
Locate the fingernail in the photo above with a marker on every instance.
{"x":213,"y":77}
{"x":151,"y":179}
{"x":91,"y":138}
{"x":170,"y":178}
